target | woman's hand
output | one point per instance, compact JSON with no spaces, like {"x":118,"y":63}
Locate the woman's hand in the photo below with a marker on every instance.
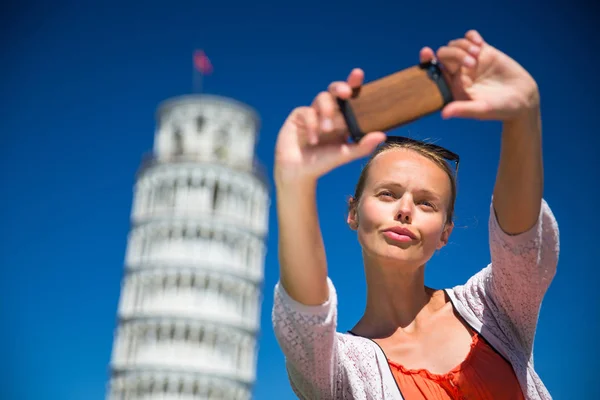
{"x":486,"y":83}
{"x":314,"y":140}
{"x":489,"y":85}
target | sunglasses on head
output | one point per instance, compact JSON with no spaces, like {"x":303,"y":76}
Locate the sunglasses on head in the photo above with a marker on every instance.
{"x":445,"y":153}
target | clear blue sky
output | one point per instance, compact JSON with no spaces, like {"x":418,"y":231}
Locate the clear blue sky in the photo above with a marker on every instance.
{"x":80,"y":84}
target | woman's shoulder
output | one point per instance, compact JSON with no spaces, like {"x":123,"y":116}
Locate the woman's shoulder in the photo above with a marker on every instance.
{"x":355,"y":344}
{"x":363,"y":368}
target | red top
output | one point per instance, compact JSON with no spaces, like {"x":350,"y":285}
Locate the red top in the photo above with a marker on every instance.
{"x":483,"y":375}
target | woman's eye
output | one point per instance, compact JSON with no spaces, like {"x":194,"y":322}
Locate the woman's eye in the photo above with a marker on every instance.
{"x":386,"y":194}
{"x":427,"y":204}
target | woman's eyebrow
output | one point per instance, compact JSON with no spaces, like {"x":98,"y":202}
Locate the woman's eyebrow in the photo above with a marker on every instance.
{"x":428,"y":193}
{"x":423,"y":191}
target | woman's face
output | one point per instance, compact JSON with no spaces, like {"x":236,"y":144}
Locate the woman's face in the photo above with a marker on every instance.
{"x":402,"y":212}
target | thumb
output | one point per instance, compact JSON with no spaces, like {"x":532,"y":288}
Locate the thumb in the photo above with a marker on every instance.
{"x":366,"y":145}
{"x":467,"y":109}
{"x":334,"y":155}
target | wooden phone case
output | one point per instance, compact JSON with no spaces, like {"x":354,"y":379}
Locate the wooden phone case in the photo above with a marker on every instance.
{"x":396,"y":100}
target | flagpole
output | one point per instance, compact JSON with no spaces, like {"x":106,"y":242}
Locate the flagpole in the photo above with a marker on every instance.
{"x":197,"y":82}
{"x":202,"y":66}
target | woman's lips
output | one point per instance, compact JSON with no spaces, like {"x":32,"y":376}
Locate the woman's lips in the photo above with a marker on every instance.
{"x":399,"y":235}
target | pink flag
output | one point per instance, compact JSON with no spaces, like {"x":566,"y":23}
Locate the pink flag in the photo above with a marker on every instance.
{"x":202,"y":63}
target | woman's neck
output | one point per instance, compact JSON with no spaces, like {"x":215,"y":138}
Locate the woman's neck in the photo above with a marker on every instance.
{"x":396,"y":299}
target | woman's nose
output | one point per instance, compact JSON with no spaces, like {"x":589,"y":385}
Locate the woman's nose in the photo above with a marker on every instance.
{"x":404,"y":212}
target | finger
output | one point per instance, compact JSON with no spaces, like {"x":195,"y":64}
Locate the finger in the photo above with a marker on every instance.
{"x":466,"y":45}
{"x":341,"y":153}
{"x":344,"y":90}
{"x":309,"y":119}
{"x":356,"y":78}
{"x":426,"y":54}
{"x":340,"y":89}
{"x":453,"y":58}
{"x":466,"y":109}
{"x":364,"y":147}
{"x":339,"y":125}
{"x":474,"y":37}
{"x":371,"y":140}
{"x":326,"y":107}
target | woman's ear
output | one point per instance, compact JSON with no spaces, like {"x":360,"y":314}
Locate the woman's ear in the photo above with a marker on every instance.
{"x":445,"y":235}
{"x":352,"y":219}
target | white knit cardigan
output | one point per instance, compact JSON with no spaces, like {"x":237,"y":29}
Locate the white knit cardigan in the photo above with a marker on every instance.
{"x":501,"y":302}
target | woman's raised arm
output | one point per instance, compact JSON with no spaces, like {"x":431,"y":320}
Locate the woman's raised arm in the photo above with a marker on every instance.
{"x":524,"y":242}
{"x":312,"y":141}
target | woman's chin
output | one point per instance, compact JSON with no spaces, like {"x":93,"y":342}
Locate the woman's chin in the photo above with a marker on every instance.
{"x":401,"y":258}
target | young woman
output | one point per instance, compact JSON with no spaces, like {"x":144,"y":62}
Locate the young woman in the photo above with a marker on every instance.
{"x":473,"y":341}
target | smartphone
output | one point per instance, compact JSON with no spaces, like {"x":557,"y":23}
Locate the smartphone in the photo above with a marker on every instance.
{"x":396,"y":100}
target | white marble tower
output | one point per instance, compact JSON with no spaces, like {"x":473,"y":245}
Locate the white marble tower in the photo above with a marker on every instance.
{"x":189,"y":310}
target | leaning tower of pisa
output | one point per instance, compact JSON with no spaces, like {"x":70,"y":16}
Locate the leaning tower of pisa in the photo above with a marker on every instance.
{"x":189,"y":310}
